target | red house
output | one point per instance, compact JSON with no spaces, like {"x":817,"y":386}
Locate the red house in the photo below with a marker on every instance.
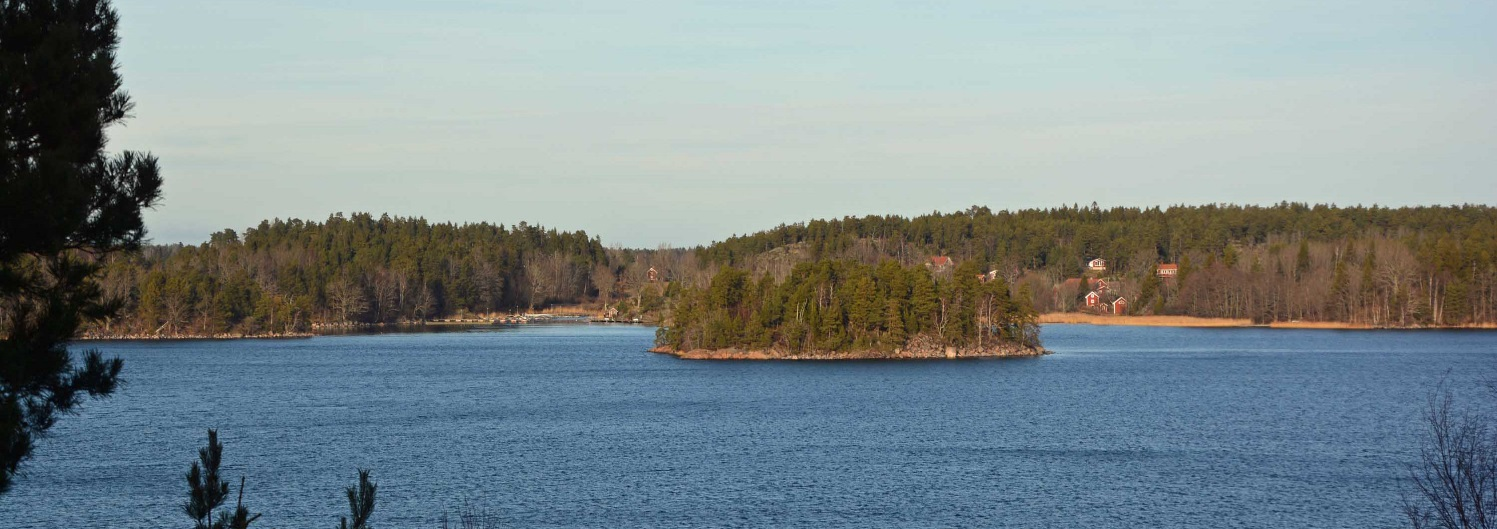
{"x":939,"y":263}
{"x":1167,"y":270}
{"x":654,"y":276}
{"x":1093,"y":299}
{"x":1119,"y":307}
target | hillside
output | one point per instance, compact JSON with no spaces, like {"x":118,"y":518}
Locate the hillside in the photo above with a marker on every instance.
{"x":1374,"y":266}
{"x":1363,"y":266}
{"x":290,"y":276}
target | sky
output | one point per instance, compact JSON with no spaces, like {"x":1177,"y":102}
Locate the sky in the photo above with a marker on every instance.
{"x":682,"y":123}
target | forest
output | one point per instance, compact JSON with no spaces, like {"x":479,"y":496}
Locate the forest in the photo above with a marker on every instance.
{"x":284,"y":276}
{"x":1377,"y":266}
{"x":1374,"y":266}
{"x":828,"y":306}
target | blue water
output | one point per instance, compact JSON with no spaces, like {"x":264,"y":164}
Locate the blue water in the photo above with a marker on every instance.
{"x":578,"y":426}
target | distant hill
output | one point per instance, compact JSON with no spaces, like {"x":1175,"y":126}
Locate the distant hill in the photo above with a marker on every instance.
{"x":1372,"y":266}
{"x":1378,"y":266}
{"x":292,"y":275}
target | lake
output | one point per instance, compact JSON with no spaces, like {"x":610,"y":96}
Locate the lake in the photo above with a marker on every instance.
{"x":578,"y":426}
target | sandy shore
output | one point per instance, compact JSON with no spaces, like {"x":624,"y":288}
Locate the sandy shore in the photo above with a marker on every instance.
{"x":1144,"y":321}
{"x":1189,"y":321}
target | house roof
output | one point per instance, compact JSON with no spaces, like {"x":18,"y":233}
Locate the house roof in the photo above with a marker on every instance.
{"x":1169,"y":267}
{"x":940,"y":260}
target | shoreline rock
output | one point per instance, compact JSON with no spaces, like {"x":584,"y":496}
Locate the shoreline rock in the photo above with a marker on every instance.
{"x":913,"y":351}
{"x":219,"y":336}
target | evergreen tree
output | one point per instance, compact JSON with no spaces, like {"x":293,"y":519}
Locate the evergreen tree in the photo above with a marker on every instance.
{"x":1368,"y":283}
{"x":1302,"y":259}
{"x":894,"y":322}
{"x":923,"y":303}
{"x":1457,"y":305}
{"x":1340,"y":290}
{"x":207,"y":492}
{"x":963,"y":304}
{"x":833,"y":306}
{"x":360,"y":503}
{"x":65,"y":205}
{"x":866,"y":310}
{"x":832,"y":328}
{"x":1150,"y":288}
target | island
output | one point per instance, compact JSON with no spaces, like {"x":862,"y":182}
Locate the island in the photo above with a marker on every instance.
{"x":846,"y":310}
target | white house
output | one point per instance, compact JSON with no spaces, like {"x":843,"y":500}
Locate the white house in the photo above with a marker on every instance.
{"x":1097,"y":264}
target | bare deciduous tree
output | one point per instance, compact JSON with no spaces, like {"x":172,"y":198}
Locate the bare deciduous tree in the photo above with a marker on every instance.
{"x":386,"y":297}
{"x":424,"y":301}
{"x":603,"y":279}
{"x":176,"y":304}
{"x":538,"y":278}
{"x":346,"y":299}
{"x":1455,"y":481}
{"x":552,"y":275}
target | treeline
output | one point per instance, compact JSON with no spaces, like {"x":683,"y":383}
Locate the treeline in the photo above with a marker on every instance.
{"x":285,"y":276}
{"x":829,"y":306}
{"x":1373,"y":265}
{"x":1421,"y":266}
{"x":1377,"y":279}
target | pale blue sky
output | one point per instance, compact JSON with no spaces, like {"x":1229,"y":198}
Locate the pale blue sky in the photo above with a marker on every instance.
{"x":686,"y":122}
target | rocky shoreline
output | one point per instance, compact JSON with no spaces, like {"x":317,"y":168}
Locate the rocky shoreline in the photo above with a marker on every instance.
{"x":328,"y":329}
{"x":912,"y":351}
{"x":219,"y":336}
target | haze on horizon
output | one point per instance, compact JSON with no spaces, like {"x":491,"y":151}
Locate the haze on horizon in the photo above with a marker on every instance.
{"x":683,"y":123}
